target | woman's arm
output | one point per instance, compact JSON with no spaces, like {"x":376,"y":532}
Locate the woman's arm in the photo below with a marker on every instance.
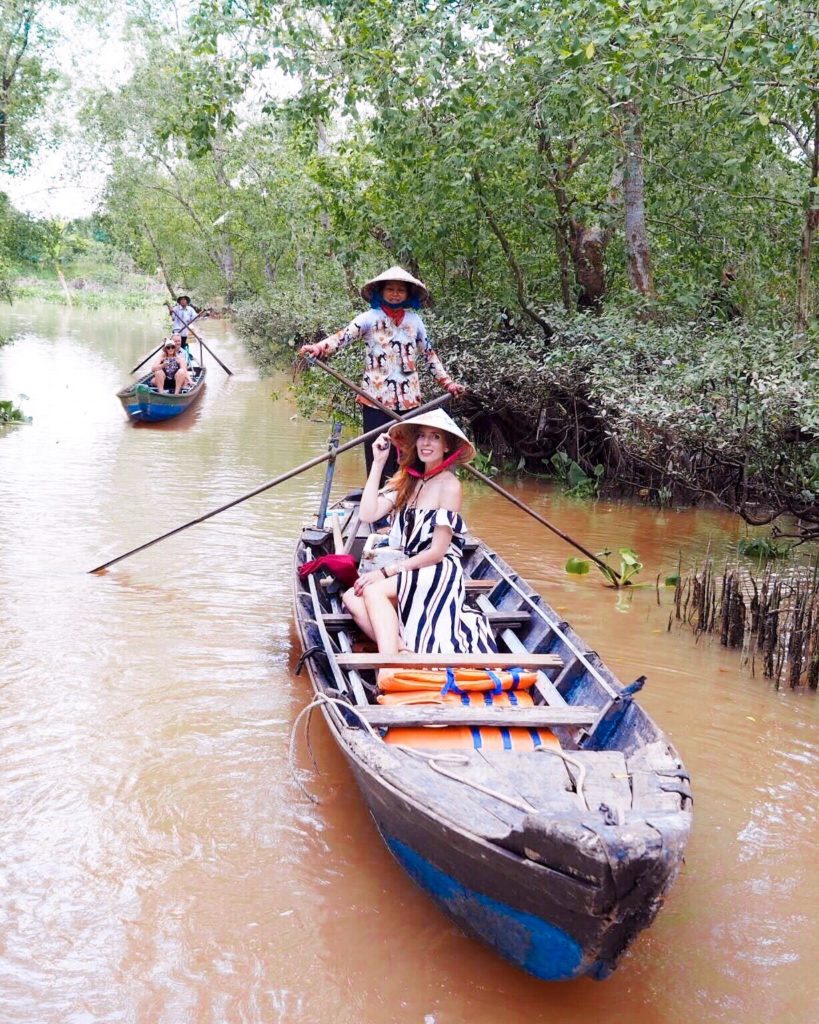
{"x":435,"y":364}
{"x":341,"y":339}
{"x":441,"y":537}
{"x":374,"y":506}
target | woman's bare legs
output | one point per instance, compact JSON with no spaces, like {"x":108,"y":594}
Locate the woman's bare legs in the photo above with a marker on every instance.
{"x":375,"y":613}
{"x":356,"y":607}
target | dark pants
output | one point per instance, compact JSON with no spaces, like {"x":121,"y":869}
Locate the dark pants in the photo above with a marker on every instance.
{"x":376,"y":418}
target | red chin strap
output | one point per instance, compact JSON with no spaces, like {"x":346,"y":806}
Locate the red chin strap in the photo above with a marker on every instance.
{"x":438,"y":469}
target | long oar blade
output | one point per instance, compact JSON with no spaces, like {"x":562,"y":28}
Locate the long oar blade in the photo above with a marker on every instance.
{"x":218,"y":360}
{"x":317,"y":461}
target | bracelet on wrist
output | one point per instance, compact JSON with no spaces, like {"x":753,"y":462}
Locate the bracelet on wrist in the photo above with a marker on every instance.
{"x":384,"y":572}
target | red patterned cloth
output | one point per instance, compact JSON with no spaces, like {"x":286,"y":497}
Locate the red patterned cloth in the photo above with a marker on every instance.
{"x":342,"y":567}
{"x":396,"y":315}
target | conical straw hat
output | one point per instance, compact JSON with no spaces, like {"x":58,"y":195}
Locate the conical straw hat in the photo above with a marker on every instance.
{"x":396,"y":273}
{"x":404,"y":433}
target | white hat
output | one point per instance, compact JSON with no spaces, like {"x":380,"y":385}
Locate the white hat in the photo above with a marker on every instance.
{"x":396,"y":273}
{"x":403,"y":433}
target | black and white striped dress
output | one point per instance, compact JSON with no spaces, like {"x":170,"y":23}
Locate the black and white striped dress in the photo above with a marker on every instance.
{"x":431,"y":600}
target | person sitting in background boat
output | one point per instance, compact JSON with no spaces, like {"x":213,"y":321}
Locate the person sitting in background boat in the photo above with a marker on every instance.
{"x":170,"y":372}
{"x":183,"y":351}
{"x":394,"y":334}
{"x":417,"y":603}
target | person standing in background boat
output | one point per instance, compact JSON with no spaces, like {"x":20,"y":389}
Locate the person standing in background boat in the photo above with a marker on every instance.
{"x":181,"y":316}
{"x":394,"y":335}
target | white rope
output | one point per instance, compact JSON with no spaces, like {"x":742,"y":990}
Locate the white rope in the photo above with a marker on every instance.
{"x":437,"y":763}
{"x":578,"y":782}
{"x":317,"y":701}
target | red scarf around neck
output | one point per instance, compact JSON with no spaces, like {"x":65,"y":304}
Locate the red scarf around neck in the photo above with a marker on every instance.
{"x":396,"y":315}
{"x":438,"y":469}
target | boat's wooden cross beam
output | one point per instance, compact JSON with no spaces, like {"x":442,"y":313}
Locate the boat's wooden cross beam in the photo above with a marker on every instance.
{"x":413,"y":661}
{"x":472,"y":585}
{"x":342,"y":620}
{"x":415,"y":715}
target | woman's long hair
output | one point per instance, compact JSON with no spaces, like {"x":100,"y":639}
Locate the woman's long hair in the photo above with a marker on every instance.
{"x":402,"y":482}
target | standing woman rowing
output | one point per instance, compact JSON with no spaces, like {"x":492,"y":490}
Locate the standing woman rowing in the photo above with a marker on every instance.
{"x":394,"y":334}
{"x":417,"y":603}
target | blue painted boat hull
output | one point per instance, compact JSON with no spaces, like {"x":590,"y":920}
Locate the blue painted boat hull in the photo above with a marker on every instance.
{"x":536,"y":946}
{"x":143,"y":404}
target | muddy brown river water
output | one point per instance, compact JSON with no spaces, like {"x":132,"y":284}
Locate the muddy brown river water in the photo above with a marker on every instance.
{"x":158,"y":865}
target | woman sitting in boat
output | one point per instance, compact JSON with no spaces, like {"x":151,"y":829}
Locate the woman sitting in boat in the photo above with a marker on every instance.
{"x":183,"y":350}
{"x":417,"y":603}
{"x":170,"y":371}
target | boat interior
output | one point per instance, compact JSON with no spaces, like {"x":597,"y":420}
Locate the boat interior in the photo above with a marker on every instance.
{"x":549,"y":730}
{"x":195,"y":374}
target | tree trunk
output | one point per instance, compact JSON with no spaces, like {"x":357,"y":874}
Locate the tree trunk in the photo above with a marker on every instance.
{"x":62,"y":280}
{"x":638,"y":251}
{"x":588,"y":247}
{"x":803,"y":278}
{"x":562,"y":245}
{"x":511,"y":259}
{"x":225,"y":255}
{"x":228,"y":267}
{"x":160,"y":261}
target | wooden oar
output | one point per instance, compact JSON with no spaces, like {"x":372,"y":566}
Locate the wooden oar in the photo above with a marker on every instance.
{"x":145,"y":360}
{"x":475,"y":472}
{"x":207,"y":349}
{"x":317,"y":461}
{"x":204,"y":345}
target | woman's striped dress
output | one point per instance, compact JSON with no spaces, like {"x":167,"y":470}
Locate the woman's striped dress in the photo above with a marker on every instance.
{"x":431,"y":600}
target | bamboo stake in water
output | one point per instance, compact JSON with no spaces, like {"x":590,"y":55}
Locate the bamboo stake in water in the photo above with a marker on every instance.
{"x":317,"y":461}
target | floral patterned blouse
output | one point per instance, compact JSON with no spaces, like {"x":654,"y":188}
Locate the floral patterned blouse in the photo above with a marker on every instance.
{"x":390,"y":374}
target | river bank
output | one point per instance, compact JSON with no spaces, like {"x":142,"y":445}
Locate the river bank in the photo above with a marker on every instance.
{"x":673,"y":413}
{"x":160,"y":864}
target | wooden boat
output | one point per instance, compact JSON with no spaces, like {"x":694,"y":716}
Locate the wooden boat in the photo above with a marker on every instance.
{"x":144,"y":403}
{"x":554,"y":856}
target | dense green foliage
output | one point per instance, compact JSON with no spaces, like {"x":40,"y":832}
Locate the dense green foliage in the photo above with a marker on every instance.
{"x":614,"y":204}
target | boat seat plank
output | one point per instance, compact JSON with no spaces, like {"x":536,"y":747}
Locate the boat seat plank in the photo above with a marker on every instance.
{"x":414,"y":661}
{"x":344,"y":620}
{"x":419,"y":715}
{"x":472,"y":585}
{"x":476,"y":584}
